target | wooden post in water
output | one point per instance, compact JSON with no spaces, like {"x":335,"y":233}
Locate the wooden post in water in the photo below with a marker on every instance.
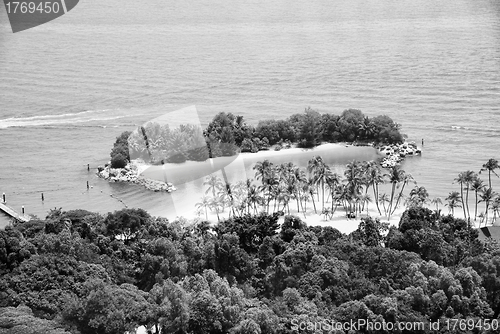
{"x":88,"y":187}
{"x":22,"y":209}
{"x":88,"y":167}
{"x":42,"y":198}
{"x":3,"y":198}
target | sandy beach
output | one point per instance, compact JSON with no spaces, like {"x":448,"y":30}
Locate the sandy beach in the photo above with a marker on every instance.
{"x":338,"y":153}
{"x":239,"y":168}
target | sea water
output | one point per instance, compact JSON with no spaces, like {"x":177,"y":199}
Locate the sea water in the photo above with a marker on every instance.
{"x":69,"y":87}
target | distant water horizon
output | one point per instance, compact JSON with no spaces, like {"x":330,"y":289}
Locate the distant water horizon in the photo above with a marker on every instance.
{"x":70,"y":87}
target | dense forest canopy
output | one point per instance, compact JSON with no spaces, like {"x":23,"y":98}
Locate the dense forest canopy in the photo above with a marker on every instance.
{"x":228,"y":134}
{"x":81,"y":272}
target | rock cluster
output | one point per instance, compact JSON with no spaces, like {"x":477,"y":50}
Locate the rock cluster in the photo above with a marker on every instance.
{"x":130,"y":174}
{"x":394,"y":154}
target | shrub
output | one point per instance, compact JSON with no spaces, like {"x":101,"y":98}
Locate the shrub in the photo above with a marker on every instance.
{"x":121,"y":145}
{"x":248,"y":145}
{"x":118,"y":161}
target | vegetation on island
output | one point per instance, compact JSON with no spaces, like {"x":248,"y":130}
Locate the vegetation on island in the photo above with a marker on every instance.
{"x":82,"y":272}
{"x":290,"y":189}
{"x":317,"y":188}
{"x":228,"y":134}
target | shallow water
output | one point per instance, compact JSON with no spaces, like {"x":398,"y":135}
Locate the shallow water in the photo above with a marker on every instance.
{"x":68,"y":88}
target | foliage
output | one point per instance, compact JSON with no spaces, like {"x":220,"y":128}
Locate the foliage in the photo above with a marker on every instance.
{"x":118,"y":161}
{"x":21,"y":320}
{"x":227,"y":134}
{"x":120,"y":147}
{"x":245,"y":274}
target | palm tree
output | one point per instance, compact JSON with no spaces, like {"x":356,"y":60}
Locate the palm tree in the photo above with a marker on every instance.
{"x":490,"y":166}
{"x":322,"y":175}
{"x":477,"y":185}
{"x":384,"y":198}
{"x":333,"y":183}
{"x":418,"y":196}
{"x":214,"y":183}
{"x":461,"y":180}
{"x":495,"y":207}
{"x":375,"y":177}
{"x":468,"y":177}
{"x":437,"y":201}
{"x":253,"y":198}
{"x":308,"y":188}
{"x":366,"y":128}
{"x":397,"y":175}
{"x":312,"y":166}
{"x":465,"y":179}
{"x":453,"y":201}
{"x":263,"y":170}
{"x":486,"y":196}
{"x":365,"y":199}
{"x":299,"y":177}
{"x":205,"y":203}
{"x":406,"y":179}
{"x":353,"y":180}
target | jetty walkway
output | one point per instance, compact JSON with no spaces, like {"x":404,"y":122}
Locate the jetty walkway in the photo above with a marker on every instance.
{"x":12,"y":213}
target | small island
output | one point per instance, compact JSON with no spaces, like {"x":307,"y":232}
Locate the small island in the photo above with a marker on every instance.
{"x":157,"y":143}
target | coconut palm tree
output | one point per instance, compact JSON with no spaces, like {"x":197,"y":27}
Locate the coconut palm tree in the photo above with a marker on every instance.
{"x":490,"y":166}
{"x":384,"y":198}
{"x":263,"y":170}
{"x":469,"y":177}
{"x":487,"y":195}
{"x":477,"y":185}
{"x":214,"y":183}
{"x":309,"y":188}
{"x":205,"y":204}
{"x":437,"y":201}
{"x":375,"y":177}
{"x":495,"y":207}
{"x":397,"y":176}
{"x":322,"y":175}
{"x":333,"y":183}
{"x":312,"y":166}
{"x":299,"y":178}
{"x":353,"y":180}
{"x":365,"y":199}
{"x":418,"y":196}
{"x":453,"y":201}
{"x":253,"y":198}
{"x":461,"y":180}
{"x":366,"y":128}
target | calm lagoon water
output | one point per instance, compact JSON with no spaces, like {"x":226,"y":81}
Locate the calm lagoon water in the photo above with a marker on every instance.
{"x":69,"y":87}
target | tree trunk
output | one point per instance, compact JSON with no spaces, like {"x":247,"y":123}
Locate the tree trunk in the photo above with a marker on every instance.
{"x":392,"y":198}
{"x":462,"y":197}
{"x":399,"y":197}
{"x":467,"y":201}
{"x":475,"y":209}
{"x":314,"y":204}
{"x":375,"y":197}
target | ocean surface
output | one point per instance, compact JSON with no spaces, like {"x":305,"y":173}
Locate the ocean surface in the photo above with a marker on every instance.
{"x":70,"y":87}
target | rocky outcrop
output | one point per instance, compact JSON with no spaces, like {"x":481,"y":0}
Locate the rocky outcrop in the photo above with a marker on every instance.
{"x":131,"y":174}
{"x":394,"y":154}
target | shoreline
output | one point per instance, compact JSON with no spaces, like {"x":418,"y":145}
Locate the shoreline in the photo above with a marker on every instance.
{"x":192,"y":170}
{"x":132,"y":174}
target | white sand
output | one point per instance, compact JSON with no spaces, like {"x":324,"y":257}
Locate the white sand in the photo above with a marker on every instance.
{"x":338,"y":221}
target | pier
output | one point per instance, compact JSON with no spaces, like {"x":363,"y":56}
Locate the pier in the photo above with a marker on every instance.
{"x":12,"y":213}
